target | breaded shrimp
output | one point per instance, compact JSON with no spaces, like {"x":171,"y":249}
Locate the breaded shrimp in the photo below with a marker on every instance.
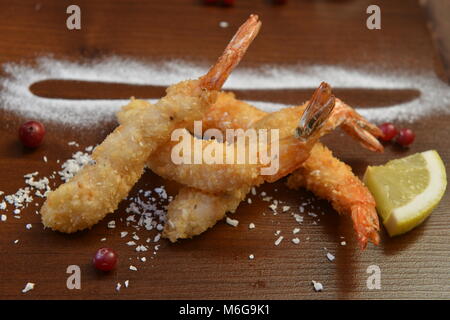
{"x":193,"y":211}
{"x":331,"y":179}
{"x":217,"y":178}
{"x":227,"y":114}
{"x":119,"y":161}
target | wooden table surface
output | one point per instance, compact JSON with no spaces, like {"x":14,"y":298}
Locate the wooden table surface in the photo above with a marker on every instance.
{"x":215,"y":265}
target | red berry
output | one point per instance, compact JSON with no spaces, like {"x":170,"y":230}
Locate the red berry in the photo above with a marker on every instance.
{"x":105,"y":259}
{"x":228,"y":2}
{"x":405,"y":137}
{"x":31,"y":133}
{"x":389,"y":131}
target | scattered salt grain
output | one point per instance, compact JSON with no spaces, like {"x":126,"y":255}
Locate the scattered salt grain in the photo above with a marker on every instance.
{"x":251,"y":226}
{"x":343,"y":243}
{"x":330,"y":256}
{"x":28,"y":287}
{"x":16,"y":241}
{"x":298,"y":218}
{"x":143,"y":259}
{"x":123,"y":234}
{"x":317,"y":286}
{"x":131,"y":243}
{"x":141,"y":248}
{"x":4,"y":217}
{"x":127,"y":282}
{"x":296,"y":240}
{"x":278,"y":241}
{"x":296,"y":230}
{"x":118,"y":286}
{"x":286,"y":208}
{"x":223,"y":24}
{"x":111,"y":224}
{"x":133,"y":268}
{"x":45,"y":159}
{"x":251,"y":257}
{"x":103,"y":239}
{"x":73,"y":143}
{"x":232,"y":222}
{"x":28,"y":226}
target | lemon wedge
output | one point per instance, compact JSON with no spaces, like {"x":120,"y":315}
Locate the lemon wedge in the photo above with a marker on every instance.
{"x":407,"y":190}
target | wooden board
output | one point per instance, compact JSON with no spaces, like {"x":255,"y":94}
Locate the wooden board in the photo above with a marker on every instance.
{"x":215,"y":265}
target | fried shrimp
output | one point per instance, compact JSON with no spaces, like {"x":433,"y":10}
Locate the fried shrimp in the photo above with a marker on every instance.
{"x":331,"y":179}
{"x":193,"y":211}
{"x":120,"y":159}
{"x":217,"y":178}
{"x":345,"y":191}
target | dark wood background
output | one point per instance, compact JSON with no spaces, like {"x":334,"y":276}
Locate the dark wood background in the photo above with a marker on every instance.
{"x":215,"y":264}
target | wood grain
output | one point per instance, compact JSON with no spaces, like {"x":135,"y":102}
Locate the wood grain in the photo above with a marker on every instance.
{"x":215,"y":265}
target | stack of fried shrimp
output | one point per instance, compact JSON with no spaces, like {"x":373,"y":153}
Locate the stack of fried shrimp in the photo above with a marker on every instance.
{"x":212,"y":190}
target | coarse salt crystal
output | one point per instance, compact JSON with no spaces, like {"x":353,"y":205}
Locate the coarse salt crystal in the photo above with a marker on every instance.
{"x":296,"y":240}
{"x":251,"y":226}
{"x":28,"y":226}
{"x":317,"y":286}
{"x":251,"y":257}
{"x":286,"y":208}
{"x":127,"y":282}
{"x":112,"y":224}
{"x":223,"y":24}
{"x":278,"y":241}
{"x":232,"y":222}
{"x":28,"y":287}
{"x":123,"y":234}
{"x":4,"y":217}
{"x":296,"y":230}
{"x":343,"y":243}
{"x":133,"y":268}
{"x":330,"y":256}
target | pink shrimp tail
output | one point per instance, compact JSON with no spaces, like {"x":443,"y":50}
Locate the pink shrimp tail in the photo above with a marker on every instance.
{"x":366,"y":225}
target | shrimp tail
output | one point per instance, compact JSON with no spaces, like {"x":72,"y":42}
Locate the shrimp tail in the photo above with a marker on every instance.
{"x":357,"y":126}
{"x":365,"y":223}
{"x":317,"y":112}
{"x":232,"y":55}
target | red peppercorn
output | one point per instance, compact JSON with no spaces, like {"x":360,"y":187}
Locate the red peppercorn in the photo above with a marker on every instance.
{"x":105,"y":259}
{"x":389,"y":131}
{"x":405,"y":137}
{"x":31,"y":133}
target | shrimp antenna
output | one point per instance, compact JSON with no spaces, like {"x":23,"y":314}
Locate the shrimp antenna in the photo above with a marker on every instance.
{"x":316,"y":113}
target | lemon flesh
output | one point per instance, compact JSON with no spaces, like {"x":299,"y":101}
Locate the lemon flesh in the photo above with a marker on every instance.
{"x":407,"y":190}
